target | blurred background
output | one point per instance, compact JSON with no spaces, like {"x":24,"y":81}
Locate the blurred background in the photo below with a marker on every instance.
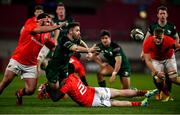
{"x":118,"y":16}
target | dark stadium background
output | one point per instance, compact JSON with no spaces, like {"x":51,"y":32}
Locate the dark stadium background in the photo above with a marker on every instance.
{"x":118,"y":16}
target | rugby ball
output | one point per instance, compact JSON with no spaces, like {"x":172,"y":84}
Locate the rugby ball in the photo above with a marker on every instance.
{"x":137,"y":34}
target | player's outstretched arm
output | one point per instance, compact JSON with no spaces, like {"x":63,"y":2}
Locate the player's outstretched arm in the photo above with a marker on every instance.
{"x":44,"y":29}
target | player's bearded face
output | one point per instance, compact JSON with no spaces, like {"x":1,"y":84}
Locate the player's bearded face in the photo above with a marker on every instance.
{"x":76,"y":33}
{"x":105,"y":40}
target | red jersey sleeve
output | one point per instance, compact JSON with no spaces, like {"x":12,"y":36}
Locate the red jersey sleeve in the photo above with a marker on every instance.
{"x":30,"y":20}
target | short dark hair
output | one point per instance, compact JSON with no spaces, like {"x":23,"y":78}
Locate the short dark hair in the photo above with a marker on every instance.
{"x":38,"y":7}
{"x":72,"y":25}
{"x":60,"y":4}
{"x":104,"y":32}
{"x":41,"y":16}
{"x":162,"y":7}
{"x":158,"y":31}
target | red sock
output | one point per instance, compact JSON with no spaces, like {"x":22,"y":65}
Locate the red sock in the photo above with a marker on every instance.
{"x":20,"y":91}
{"x":136,"y":103}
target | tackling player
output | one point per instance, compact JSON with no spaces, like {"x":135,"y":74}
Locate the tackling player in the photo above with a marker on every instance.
{"x":79,"y":69}
{"x":159,"y":56}
{"x":98,"y":96}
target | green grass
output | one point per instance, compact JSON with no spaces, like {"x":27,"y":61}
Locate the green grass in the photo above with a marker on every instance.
{"x":34,"y":106}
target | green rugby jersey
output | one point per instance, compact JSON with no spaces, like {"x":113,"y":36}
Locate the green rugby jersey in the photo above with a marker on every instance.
{"x":62,"y":52}
{"x":169,"y":29}
{"x":111,"y":52}
{"x":63,"y":32}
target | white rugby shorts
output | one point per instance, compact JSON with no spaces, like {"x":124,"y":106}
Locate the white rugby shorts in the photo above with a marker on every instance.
{"x":102,"y":97}
{"x":23,"y":70}
{"x":168,"y":64}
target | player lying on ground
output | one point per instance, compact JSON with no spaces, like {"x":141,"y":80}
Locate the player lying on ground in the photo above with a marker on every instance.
{"x":97,"y":96}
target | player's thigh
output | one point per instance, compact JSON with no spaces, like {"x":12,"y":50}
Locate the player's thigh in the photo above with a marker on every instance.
{"x":8,"y":76}
{"x":171,"y":67}
{"x":171,"y":64}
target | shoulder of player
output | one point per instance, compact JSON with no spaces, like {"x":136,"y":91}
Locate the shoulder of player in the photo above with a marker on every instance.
{"x":115,"y":45}
{"x":30,"y":20}
{"x":64,"y":40}
{"x":29,"y":26}
{"x":171,"y":25}
{"x":148,"y":40}
{"x":168,"y":37}
{"x":153,"y":23}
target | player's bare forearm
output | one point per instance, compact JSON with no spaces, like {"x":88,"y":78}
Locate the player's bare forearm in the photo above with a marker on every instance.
{"x":149,"y":63}
{"x":117,"y":64}
{"x":56,"y":34}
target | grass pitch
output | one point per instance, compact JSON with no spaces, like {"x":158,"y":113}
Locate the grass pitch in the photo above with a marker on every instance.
{"x":31,"y":105}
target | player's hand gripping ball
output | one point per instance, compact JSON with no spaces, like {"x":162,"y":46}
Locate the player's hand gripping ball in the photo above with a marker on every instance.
{"x":137,"y":34}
